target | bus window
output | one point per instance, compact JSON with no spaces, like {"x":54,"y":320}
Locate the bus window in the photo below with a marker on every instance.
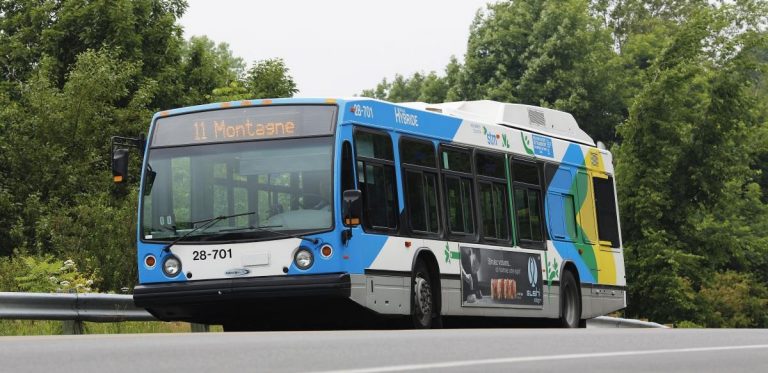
{"x":459,"y":198}
{"x":457,"y":177}
{"x":376,"y":180}
{"x":420,"y":173}
{"x":607,"y":219}
{"x":526,"y":186}
{"x":492,"y":187}
{"x":347,"y":165}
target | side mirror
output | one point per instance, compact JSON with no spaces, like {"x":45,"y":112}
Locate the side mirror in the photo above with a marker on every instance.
{"x":119,"y":146}
{"x":119,"y":165}
{"x":352,"y":207}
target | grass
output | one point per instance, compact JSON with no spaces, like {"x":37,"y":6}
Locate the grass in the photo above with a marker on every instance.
{"x":35,"y":327}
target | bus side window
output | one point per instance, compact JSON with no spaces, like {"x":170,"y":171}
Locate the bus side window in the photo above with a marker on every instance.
{"x":526,"y":190}
{"x":456,"y":166}
{"x":420,"y":174}
{"x":493,"y":201}
{"x":607,"y":218}
{"x":347,"y":168}
{"x":376,"y":179}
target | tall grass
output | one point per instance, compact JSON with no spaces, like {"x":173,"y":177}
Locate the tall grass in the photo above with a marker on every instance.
{"x":34,"y":327}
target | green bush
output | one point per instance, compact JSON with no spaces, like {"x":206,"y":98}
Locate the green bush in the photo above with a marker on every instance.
{"x":44,"y":274}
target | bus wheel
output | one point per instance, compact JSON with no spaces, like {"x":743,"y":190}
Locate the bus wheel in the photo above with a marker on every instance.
{"x":423,"y":305}
{"x":570,"y":302}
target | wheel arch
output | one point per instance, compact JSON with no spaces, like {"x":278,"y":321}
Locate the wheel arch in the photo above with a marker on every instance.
{"x":569,"y":266}
{"x":426,"y":255}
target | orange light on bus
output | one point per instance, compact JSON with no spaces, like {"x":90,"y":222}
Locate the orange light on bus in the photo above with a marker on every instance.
{"x":150,"y":261}
{"x":326,"y":251}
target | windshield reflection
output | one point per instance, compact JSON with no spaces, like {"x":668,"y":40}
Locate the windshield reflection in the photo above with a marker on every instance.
{"x":286,"y":183}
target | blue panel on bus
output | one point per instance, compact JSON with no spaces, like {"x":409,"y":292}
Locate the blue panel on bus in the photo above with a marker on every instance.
{"x":155,"y":274}
{"x":354,"y":258}
{"x":388,"y":116}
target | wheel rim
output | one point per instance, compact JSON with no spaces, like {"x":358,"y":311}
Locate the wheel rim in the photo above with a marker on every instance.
{"x":423,"y":299}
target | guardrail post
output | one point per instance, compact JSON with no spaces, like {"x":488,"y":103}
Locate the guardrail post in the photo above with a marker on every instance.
{"x":72,"y":327}
{"x":200,"y":328}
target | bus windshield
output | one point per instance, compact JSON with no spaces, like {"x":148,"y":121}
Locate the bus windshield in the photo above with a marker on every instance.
{"x":285,"y":183}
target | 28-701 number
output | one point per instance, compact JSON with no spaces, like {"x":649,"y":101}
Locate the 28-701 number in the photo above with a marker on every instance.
{"x":212,"y":254}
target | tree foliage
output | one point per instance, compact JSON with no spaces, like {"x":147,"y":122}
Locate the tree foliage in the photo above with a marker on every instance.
{"x":72,"y":74}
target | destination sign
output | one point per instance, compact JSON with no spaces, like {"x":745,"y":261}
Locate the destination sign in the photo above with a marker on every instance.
{"x":242,"y":124}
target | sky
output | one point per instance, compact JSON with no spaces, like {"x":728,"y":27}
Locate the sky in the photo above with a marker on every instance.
{"x":337,"y":48}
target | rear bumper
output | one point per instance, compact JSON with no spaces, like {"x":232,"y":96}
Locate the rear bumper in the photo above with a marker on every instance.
{"x":209,"y":300}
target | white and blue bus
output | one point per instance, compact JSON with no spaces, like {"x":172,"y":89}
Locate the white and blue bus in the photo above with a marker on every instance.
{"x":302,"y":209}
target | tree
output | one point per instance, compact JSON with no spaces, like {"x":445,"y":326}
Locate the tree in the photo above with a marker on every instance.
{"x":546,"y":53}
{"x":418,"y":87}
{"x":207,"y":66}
{"x":140,"y":31}
{"x":62,"y":187}
{"x":265,"y":79}
{"x":690,"y":206}
{"x":270,"y":79}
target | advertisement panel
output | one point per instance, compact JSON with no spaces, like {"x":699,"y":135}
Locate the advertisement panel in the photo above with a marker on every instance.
{"x":498,"y":278}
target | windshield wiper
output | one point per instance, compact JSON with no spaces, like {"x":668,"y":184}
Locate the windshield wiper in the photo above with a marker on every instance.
{"x":264,"y":228}
{"x":207,"y":223}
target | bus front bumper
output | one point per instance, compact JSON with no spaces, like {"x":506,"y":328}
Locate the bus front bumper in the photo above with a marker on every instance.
{"x":208,"y":301}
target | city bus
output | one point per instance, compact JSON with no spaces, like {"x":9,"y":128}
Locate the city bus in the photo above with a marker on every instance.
{"x":260,"y":212}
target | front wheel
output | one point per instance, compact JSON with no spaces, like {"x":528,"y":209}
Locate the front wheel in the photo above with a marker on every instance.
{"x":570,"y":302}
{"x":423,"y":310}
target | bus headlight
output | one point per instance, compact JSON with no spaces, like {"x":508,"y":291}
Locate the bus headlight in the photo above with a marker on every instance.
{"x":303,"y":259}
{"x":172,"y":266}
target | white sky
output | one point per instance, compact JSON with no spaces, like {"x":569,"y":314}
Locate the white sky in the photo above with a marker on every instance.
{"x":337,"y":48}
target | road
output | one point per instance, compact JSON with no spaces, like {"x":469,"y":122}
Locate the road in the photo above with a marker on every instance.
{"x":456,"y":350}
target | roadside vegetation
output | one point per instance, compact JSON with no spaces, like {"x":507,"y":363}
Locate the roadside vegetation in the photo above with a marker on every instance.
{"x":30,"y":327}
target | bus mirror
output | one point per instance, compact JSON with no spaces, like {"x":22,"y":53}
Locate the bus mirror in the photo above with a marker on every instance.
{"x":352,"y":207}
{"x":119,"y":165}
{"x":120,"y":146}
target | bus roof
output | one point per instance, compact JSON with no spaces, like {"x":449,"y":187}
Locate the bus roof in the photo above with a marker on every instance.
{"x":526,"y":117}
{"x":536,"y":119}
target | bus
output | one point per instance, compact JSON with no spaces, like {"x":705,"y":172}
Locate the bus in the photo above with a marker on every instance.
{"x":294,"y":209}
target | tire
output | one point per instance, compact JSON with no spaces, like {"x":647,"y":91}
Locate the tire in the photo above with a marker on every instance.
{"x":570,"y":302}
{"x":423,"y":311}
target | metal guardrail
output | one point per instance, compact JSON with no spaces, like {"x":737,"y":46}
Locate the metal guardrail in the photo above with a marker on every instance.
{"x":73,"y":309}
{"x":71,"y":306}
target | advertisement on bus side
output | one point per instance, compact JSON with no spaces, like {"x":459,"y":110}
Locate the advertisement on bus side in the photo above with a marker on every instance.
{"x":500,"y":278}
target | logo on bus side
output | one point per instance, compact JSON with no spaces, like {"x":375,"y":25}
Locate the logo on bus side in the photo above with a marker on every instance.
{"x":533,"y":272}
{"x":493,"y":138}
{"x":236,"y":272}
{"x":402,"y":117}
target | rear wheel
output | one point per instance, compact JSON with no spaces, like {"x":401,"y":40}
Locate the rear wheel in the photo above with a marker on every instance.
{"x":423,"y":311}
{"x":570,"y":302}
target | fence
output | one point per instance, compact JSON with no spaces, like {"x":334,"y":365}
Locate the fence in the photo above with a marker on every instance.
{"x":73,"y":309}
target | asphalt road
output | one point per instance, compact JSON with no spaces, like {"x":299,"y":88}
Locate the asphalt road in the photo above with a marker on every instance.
{"x":456,"y":350}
